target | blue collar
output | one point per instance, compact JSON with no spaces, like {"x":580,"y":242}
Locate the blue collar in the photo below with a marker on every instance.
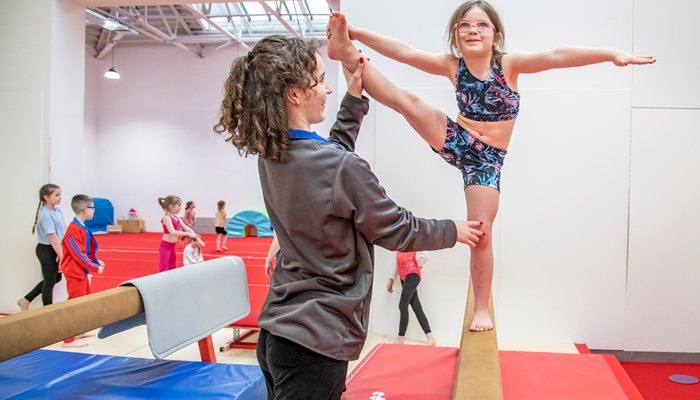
{"x":89,"y":237}
{"x":75,"y":221}
{"x":298,"y":134}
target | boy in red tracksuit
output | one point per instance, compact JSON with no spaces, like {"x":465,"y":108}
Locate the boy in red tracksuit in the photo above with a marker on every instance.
{"x":79,"y":255}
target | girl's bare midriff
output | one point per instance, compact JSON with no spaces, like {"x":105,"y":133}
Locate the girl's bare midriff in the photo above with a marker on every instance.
{"x":495,"y":134}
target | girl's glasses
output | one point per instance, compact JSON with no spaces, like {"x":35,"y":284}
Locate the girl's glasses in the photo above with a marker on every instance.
{"x":480,"y":26}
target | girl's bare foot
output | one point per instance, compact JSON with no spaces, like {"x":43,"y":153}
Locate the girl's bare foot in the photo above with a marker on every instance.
{"x":431,"y":339}
{"x":23,"y":304}
{"x":339,"y":44}
{"x":399,"y":340}
{"x":481,"y":322}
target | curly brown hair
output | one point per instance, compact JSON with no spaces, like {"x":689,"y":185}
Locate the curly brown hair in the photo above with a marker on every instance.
{"x":499,"y":45}
{"x":253,"y":110}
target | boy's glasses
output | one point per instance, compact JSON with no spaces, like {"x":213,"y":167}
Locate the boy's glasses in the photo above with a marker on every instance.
{"x":92,"y":207}
{"x":481,"y":26}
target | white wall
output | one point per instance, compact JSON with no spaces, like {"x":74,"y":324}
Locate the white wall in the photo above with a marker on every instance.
{"x":663,"y":297}
{"x":156,"y":134}
{"x":41,"y":91}
{"x":567,"y":204}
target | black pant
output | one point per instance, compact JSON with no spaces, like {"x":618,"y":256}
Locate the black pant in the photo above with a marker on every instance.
{"x":49,"y":271}
{"x":295,"y":372}
{"x":409,"y":294}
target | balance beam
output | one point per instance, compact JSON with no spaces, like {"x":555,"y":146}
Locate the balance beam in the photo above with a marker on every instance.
{"x":40,"y":327}
{"x":478,"y":366}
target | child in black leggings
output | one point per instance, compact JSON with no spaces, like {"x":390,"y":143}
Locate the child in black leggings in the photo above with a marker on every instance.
{"x":408,"y":267}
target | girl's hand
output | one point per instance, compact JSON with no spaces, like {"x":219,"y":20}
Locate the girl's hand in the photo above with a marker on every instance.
{"x":625,"y":59}
{"x":390,"y":286}
{"x":192,"y":235}
{"x":354,"y":79}
{"x":99,"y":271}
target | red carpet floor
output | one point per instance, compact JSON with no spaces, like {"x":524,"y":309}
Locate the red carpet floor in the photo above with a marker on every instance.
{"x":652,"y":380}
{"x":132,"y":255}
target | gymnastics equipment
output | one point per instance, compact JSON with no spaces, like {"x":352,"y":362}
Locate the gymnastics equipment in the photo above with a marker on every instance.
{"x":478,"y":367}
{"x":47,"y":374}
{"x":37,"y":328}
{"x":249,"y":223}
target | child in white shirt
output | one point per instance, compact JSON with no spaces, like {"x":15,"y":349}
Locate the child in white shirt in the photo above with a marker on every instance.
{"x":193,"y":251}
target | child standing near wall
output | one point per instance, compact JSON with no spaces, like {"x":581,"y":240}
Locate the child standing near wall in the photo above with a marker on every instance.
{"x":49,"y":226}
{"x":220,"y":226}
{"x":408,"y":266}
{"x":79,"y":255}
{"x":173,"y":228}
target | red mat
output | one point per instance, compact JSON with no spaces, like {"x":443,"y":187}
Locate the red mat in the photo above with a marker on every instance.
{"x":652,"y":380}
{"x":133,"y":255}
{"x":422,"y":372}
{"x":405,"y":372}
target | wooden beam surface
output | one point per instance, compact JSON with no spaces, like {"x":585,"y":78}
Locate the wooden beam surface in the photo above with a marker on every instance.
{"x":31,"y":330}
{"x":478,"y":367}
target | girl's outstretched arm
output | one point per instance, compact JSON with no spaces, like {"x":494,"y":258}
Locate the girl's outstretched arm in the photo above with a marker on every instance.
{"x":567,"y":57}
{"x":436,"y":64}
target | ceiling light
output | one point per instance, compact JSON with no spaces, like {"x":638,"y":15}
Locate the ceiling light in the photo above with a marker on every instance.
{"x":112,"y":72}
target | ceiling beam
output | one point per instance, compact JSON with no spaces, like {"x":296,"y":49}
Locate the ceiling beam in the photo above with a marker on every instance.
{"x":141,"y":23}
{"x":109,"y":46}
{"x":165,"y":22}
{"x":279,"y":17}
{"x":179,"y":17}
{"x":216,"y":26}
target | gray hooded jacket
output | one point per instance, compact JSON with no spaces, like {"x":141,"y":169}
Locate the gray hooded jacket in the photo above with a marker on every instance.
{"x":328,"y":210}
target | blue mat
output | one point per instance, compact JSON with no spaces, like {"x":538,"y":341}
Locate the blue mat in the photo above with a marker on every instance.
{"x":46,"y":374}
{"x":103,"y":216}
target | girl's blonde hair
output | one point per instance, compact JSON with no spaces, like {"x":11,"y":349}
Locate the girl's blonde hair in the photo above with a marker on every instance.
{"x":499,"y":39}
{"x":46,"y":190}
{"x":169,"y":201}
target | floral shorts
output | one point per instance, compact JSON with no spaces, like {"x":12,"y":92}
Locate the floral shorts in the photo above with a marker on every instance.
{"x":479,"y":162}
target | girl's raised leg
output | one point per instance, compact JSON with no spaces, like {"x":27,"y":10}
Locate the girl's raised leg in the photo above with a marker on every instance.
{"x":428,"y":121}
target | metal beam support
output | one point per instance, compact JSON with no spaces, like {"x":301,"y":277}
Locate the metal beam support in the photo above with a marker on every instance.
{"x":165,"y":22}
{"x":216,"y":26}
{"x":163,"y":37}
{"x":279,"y":17}
{"x":182,"y":21}
{"x":109,"y":46}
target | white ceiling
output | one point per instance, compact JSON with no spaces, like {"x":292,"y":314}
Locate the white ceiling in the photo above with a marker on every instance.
{"x":201,"y":29}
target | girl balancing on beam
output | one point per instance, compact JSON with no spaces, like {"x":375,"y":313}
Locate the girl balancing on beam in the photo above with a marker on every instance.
{"x":485,"y":78}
